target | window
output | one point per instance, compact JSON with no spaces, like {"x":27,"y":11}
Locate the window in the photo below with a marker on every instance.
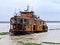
{"x":21,"y":21}
{"x":26,"y":21}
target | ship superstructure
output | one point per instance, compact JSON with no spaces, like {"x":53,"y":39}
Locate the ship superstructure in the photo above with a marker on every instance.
{"x":27,"y":22}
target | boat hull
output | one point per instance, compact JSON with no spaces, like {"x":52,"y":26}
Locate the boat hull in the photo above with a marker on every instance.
{"x":21,"y":32}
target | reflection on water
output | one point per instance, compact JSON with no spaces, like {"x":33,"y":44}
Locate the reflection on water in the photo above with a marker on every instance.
{"x":50,"y":36}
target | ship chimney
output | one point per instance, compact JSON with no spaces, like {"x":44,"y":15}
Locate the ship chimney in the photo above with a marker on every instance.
{"x":27,"y":7}
{"x":15,"y":12}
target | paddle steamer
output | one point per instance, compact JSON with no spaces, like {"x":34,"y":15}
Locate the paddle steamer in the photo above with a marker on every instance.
{"x":26,"y":23}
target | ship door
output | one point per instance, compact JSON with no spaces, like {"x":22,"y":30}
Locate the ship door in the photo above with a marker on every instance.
{"x":33,"y":27}
{"x":19,"y":27}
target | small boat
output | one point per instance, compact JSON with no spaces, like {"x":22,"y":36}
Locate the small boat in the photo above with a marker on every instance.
{"x":26,"y":23}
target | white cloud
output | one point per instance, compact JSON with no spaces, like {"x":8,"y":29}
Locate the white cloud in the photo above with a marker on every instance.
{"x":43,"y":7}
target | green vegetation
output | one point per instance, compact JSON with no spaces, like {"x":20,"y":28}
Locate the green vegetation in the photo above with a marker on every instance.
{"x":4,"y":33}
{"x":31,"y":44}
{"x":50,"y":43}
{"x":22,"y":43}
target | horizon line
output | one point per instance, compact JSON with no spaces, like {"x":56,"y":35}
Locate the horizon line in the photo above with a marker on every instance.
{"x":46,"y":21}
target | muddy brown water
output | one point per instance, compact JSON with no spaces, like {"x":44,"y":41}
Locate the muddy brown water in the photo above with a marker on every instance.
{"x":50,"y":36}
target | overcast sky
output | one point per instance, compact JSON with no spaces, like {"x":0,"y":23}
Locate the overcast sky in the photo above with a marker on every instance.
{"x":48,"y":10}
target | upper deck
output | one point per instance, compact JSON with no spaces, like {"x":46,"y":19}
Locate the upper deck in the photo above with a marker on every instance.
{"x":27,"y":14}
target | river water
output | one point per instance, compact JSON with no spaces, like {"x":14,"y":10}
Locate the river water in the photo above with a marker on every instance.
{"x":53,"y":35}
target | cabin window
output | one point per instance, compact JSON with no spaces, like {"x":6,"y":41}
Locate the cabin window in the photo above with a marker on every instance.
{"x":21,"y":21}
{"x":26,"y":21}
